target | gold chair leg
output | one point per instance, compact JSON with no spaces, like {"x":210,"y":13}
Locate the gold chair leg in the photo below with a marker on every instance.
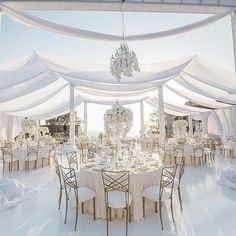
{"x":156,"y":207}
{"x":180,"y":198}
{"x":160,"y":205}
{"x":60,"y":198}
{"x":76,"y":217}
{"x":94,"y":209}
{"x":66,"y":208}
{"x":126,"y":220}
{"x":110,"y":218}
{"x":82,"y":208}
{"x":107,"y":218}
{"x":130,"y":214}
{"x":171,"y":207}
{"x":144,"y":207}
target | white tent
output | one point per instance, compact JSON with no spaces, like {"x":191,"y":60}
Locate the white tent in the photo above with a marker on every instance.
{"x":39,"y":85}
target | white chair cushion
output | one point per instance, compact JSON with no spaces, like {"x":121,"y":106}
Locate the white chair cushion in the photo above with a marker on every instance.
{"x":31,"y":158}
{"x":152,"y":193}
{"x":226,"y":147}
{"x":207,"y":150}
{"x":197,"y":153}
{"x":8,"y":159}
{"x":117,"y":199}
{"x":85,"y":194}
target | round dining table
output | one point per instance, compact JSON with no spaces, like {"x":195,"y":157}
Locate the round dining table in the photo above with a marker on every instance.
{"x":141,"y":176}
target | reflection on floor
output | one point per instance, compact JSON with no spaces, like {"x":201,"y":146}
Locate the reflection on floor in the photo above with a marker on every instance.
{"x":209,"y":209}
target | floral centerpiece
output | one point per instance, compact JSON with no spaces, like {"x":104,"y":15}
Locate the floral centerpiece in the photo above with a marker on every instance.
{"x":117,"y":123}
{"x":30,"y":127}
{"x":180,"y":130}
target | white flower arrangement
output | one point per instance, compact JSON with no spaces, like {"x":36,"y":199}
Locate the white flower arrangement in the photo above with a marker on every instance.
{"x":180,"y":128}
{"x":118,"y":121}
{"x":30,"y":127}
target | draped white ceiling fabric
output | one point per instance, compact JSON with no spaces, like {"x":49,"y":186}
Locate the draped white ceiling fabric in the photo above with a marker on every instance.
{"x":37,"y":86}
{"x":40,"y":23}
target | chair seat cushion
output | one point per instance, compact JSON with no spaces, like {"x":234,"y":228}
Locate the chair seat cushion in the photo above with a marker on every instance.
{"x":207,"y":151}
{"x":152,"y":193}
{"x":8,"y":159}
{"x":197,"y":153}
{"x":85,"y":194}
{"x":226,"y":147}
{"x":31,"y":158}
{"x":118,"y":199}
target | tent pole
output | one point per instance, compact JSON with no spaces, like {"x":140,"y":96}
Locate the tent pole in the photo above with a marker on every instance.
{"x":190,"y":124}
{"x":161,"y":113}
{"x":72,"y":115}
{"x":85,"y":118}
{"x":233,"y":24}
{"x":142,"y":117}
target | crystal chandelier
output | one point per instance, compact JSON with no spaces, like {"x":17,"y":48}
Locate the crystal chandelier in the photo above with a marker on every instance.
{"x":124,"y":62}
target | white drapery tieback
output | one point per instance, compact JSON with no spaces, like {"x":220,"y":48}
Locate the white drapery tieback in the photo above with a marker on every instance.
{"x":40,"y":23}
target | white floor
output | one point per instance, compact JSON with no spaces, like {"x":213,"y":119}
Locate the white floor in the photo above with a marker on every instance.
{"x":209,"y":209}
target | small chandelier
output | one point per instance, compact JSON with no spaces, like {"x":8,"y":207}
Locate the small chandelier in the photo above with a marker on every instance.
{"x":124,"y":62}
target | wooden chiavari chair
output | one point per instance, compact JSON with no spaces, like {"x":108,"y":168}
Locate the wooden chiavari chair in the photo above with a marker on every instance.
{"x":82,"y":194}
{"x":117,"y":195}
{"x":8,"y":158}
{"x":162,"y":192}
{"x":32,"y":156}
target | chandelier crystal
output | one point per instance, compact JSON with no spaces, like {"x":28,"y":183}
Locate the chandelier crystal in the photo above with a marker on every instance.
{"x":124,"y":62}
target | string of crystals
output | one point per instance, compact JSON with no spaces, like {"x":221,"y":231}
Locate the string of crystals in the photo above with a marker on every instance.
{"x":124,"y":62}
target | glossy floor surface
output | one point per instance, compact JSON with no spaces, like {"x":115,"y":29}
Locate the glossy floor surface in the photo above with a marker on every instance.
{"x":209,"y":209}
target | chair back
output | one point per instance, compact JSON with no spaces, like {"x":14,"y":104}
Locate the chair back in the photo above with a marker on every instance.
{"x":116,"y":181}
{"x":198,"y":150}
{"x":7,"y":152}
{"x":188,"y":149}
{"x":167,"y":179}
{"x":72,"y":159}
{"x":52,"y":149}
{"x":69,"y":177}
{"x":161,"y":148}
{"x":179,"y":151}
{"x":92,"y":150}
{"x":33,"y":151}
